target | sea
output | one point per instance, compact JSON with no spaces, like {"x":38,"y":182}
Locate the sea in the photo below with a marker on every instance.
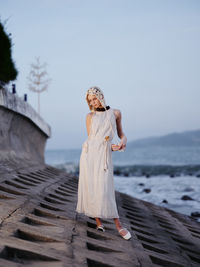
{"x":167,"y":176}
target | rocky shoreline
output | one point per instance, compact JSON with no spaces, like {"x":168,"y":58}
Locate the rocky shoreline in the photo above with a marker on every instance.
{"x":142,"y":170}
{"x":155,"y":170}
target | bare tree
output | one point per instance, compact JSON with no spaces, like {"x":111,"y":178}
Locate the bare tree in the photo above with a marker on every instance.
{"x":38,"y":79}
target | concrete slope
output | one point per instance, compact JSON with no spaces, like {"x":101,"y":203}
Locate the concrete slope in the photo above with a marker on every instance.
{"x":39,"y":227}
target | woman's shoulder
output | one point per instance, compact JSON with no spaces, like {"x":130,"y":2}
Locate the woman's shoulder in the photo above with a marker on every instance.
{"x":89,"y":115}
{"x":117,"y":113}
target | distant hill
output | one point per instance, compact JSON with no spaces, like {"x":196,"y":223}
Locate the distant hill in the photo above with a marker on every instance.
{"x":187,"y":138}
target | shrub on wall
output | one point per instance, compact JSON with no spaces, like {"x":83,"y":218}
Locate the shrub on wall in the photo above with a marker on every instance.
{"x":8,"y":71}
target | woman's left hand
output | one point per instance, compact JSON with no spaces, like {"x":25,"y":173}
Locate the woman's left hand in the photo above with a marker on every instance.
{"x":122,"y":146}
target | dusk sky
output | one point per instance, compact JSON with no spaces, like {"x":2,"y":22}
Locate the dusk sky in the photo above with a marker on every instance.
{"x":144,"y":55}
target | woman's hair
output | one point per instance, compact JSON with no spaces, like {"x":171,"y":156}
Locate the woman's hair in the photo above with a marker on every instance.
{"x":99,"y":95}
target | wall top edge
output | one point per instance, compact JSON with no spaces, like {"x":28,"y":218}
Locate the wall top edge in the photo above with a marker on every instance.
{"x":16,"y":104}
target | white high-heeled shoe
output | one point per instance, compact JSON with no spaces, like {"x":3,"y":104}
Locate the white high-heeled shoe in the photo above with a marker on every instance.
{"x":100,"y":228}
{"x":126,"y":236}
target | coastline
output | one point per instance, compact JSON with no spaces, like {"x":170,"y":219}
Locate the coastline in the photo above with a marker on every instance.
{"x":39,"y":225}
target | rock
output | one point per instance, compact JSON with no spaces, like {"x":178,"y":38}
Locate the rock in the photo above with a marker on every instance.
{"x":141,"y":184}
{"x":164,"y":201}
{"x":195,"y":214}
{"x":188,"y":189}
{"x":117,"y":172}
{"x":147,"y":190}
{"x":185,"y":197}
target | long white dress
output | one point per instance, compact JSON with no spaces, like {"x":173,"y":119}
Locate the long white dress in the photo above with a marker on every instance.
{"x":96,"y":194}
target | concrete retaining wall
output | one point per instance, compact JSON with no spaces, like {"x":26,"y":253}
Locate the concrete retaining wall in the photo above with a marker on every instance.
{"x":23,"y":133}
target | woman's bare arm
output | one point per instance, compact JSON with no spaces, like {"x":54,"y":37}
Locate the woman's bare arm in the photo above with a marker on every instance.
{"x":120,"y":132}
{"x":88,"y":122}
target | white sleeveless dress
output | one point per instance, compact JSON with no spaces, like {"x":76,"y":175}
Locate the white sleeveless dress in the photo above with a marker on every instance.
{"x":96,"y":194}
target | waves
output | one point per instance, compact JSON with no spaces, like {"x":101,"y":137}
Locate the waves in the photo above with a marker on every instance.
{"x":142,"y":170}
{"x":178,"y":193}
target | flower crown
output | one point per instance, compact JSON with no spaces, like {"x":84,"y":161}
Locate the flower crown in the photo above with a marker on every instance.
{"x":99,"y":94}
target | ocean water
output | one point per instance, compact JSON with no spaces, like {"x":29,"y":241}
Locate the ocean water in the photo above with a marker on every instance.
{"x":154,"y":155}
{"x":169,"y":173}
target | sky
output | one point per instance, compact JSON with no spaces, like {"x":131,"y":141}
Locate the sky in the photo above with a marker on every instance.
{"x":143,"y":54}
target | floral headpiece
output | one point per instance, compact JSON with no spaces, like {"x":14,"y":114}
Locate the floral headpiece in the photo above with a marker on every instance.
{"x":99,"y":94}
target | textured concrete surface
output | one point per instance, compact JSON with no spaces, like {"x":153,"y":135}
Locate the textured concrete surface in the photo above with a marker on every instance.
{"x":39,"y":227}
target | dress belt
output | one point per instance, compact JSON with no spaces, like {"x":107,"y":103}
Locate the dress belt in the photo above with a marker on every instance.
{"x":105,"y":155}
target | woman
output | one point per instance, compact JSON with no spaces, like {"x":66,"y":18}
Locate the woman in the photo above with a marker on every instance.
{"x":96,"y":195}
